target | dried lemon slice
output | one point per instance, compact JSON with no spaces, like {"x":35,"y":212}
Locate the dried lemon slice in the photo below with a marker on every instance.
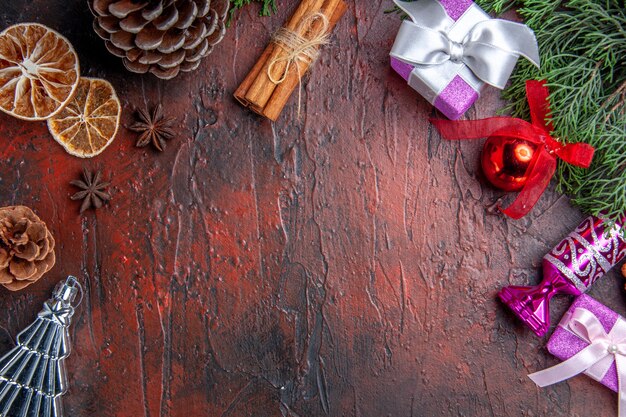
{"x":89,"y":122}
{"x":39,"y":71}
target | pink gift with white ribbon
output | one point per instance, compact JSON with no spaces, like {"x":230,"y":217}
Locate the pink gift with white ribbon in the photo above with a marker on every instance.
{"x":449,"y":49}
{"x":590,"y":339}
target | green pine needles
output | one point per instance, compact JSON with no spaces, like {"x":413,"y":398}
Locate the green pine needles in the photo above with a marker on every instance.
{"x":267,"y":8}
{"x":583,"y":58}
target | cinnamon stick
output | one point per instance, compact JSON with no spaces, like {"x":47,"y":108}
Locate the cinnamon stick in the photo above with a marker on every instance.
{"x":242,"y":90}
{"x":333,"y":10}
{"x":262,"y":87}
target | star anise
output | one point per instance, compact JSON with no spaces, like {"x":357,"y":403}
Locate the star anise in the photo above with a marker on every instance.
{"x":92,"y":191}
{"x":153,"y":127}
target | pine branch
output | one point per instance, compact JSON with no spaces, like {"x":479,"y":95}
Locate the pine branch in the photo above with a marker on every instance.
{"x":397,"y":10}
{"x":583,"y":47}
{"x":268,"y":7}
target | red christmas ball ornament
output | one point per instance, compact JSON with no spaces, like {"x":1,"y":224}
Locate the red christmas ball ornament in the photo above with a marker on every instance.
{"x":505,"y":161}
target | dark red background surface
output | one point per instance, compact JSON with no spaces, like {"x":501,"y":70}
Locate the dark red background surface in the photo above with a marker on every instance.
{"x":345,"y":263}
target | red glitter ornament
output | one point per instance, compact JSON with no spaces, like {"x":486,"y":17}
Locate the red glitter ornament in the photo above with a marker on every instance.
{"x":506,"y":162}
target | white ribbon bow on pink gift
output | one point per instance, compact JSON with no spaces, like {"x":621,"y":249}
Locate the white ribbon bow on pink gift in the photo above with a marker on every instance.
{"x":596,"y":359}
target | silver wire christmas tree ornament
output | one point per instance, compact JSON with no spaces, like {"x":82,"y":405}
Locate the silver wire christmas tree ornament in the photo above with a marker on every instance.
{"x":32,"y":375}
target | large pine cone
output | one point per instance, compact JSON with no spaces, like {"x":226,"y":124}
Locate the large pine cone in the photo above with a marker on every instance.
{"x":26,"y":247}
{"x":163,"y":37}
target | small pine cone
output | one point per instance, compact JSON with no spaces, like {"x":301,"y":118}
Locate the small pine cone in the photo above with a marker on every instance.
{"x":163,"y":37}
{"x":26,"y":247}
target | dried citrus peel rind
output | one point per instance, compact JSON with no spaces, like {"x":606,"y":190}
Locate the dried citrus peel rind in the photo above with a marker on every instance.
{"x":39,"y":71}
{"x":89,"y":122}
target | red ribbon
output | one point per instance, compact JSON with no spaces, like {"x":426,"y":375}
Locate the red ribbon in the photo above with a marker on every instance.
{"x":543,"y":166}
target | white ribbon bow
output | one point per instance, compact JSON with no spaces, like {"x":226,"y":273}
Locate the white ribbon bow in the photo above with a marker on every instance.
{"x":490,"y":49}
{"x":596,"y":359}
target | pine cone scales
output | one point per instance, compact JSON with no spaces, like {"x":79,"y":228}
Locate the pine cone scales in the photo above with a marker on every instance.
{"x":26,"y":247}
{"x":163,"y":37}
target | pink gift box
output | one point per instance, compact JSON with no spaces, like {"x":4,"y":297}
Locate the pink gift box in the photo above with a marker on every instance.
{"x":564,"y":344}
{"x":453,"y":101}
{"x":449,"y":49}
{"x":459,"y":95}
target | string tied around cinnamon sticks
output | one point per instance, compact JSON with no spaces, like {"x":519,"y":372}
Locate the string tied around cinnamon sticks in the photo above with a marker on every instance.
{"x":299,"y":48}
{"x":287,"y":58}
